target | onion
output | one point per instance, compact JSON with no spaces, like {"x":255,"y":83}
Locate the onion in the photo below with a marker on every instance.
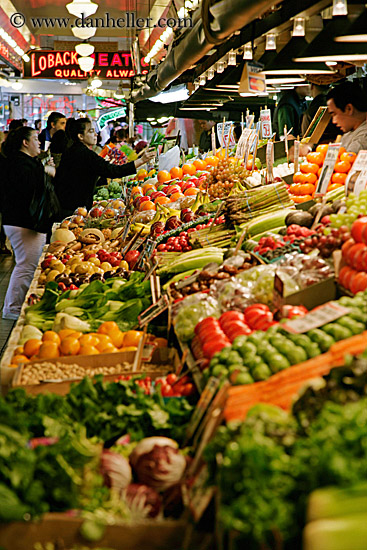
{"x":62,"y":235}
{"x":157,"y":462}
{"x":116,"y":470}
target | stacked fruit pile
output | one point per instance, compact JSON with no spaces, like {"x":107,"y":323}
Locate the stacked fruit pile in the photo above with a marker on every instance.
{"x":353,"y":276}
{"x":225,"y":176}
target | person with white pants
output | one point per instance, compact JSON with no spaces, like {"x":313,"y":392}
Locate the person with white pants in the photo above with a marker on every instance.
{"x":22,"y":179}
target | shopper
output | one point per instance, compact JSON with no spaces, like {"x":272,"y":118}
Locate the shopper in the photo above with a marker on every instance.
{"x":347,"y":104}
{"x":318,"y":92}
{"x":14,"y":124}
{"x":23,"y":178}
{"x":59,"y":144}
{"x":205,"y":140}
{"x":288,"y":112}
{"x":38,"y":125}
{"x":56,"y":121}
{"x":3,"y":247}
{"x":80,"y":168}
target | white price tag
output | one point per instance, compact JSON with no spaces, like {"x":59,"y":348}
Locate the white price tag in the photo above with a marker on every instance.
{"x":269,"y":161}
{"x":316,"y":318}
{"x":357,"y":177}
{"x":265,"y":118}
{"x":327,"y":169}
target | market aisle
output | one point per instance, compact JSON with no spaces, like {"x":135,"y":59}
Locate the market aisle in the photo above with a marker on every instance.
{"x":6,"y":267}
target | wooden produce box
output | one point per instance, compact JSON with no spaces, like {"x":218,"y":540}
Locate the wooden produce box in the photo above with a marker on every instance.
{"x":63,"y":531}
{"x":161,"y":356}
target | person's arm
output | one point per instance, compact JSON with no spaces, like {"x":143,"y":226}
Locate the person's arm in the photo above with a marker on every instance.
{"x":103,"y":168}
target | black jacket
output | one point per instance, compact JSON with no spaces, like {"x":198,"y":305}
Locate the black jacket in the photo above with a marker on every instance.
{"x":288,"y":112}
{"x":78,"y":172}
{"x":21,"y":177}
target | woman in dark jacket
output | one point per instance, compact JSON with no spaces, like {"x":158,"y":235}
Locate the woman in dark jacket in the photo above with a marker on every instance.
{"x":22,"y":178}
{"x":80,"y":168}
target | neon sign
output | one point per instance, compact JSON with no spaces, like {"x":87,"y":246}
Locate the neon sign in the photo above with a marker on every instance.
{"x":58,"y":65}
{"x":111,"y":115}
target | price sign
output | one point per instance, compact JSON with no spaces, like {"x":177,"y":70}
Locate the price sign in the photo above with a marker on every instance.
{"x":224,"y":135}
{"x":248,"y":146}
{"x":153,"y":311}
{"x":265,"y":119}
{"x":214,"y":143}
{"x":327,"y":169}
{"x":269,"y":161}
{"x":316,"y":318}
{"x":357,"y":177}
{"x":240,"y":151}
{"x":296,"y":155}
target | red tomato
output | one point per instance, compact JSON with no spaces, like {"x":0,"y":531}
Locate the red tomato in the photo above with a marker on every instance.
{"x":358,"y":262}
{"x":346,"y":246}
{"x":212,"y":347}
{"x":359,"y":282}
{"x":348,"y":278}
{"x":171,"y":379}
{"x":343,"y":273}
{"x":188,"y":389}
{"x":232,"y":315}
{"x":264,"y":307}
{"x":255,"y":315}
{"x":235,"y":327}
{"x":208,"y":322}
{"x":352,"y":251}
{"x":357,"y":229}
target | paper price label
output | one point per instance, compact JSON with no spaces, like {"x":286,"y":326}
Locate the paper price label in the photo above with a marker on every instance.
{"x":265,"y":119}
{"x":247,"y":146}
{"x":240,"y":151}
{"x":269,"y":161}
{"x":316,"y":318}
{"x":327,"y":169}
{"x":357,"y":177}
{"x":214,"y":144}
{"x":296,"y":155}
{"x":223,"y":139}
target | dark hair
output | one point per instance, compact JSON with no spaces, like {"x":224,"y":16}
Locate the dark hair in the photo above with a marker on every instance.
{"x":36,"y":122}
{"x":54,"y":117}
{"x":348,"y":92}
{"x":119,"y":134}
{"x":14,"y":124}
{"x":59,"y":142}
{"x":237,"y":131}
{"x":76,"y":127}
{"x":15,"y":138}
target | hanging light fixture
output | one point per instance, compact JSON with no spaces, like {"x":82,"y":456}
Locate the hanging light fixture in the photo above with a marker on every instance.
{"x":83,"y":33}
{"x":210,"y":73}
{"x":17,"y":85}
{"x":247,"y":51}
{"x":340,"y":7}
{"x":84,"y":49}
{"x":299,"y":26}
{"x":196,"y":85}
{"x":96,"y":83}
{"x":202,"y":80}
{"x":86,"y":63}
{"x":232,"y":58}
{"x":271,"y":43}
{"x":119,"y":94}
{"x":356,"y":32}
{"x":220,"y":66}
{"x":82,"y":7}
{"x":324,"y":48}
{"x":283,"y":62}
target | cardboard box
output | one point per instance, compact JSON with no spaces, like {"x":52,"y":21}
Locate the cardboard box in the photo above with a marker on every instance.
{"x":314,"y":295}
{"x":64,"y":530}
{"x":161,"y":356}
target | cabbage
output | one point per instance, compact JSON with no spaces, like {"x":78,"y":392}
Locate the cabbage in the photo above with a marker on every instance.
{"x":116,"y":470}
{"x":157,"y":462}
{"x":143,"y":501}
{"x":28,"y":332}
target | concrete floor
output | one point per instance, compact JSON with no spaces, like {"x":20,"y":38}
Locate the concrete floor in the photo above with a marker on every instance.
{"x":6,"y":267}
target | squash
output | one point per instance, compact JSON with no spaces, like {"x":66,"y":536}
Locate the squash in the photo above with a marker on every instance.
{"x":62,"y":235}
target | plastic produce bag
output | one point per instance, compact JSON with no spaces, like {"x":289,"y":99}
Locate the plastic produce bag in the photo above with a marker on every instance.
{"x":168,"y":160}
{"x":194,"y":308}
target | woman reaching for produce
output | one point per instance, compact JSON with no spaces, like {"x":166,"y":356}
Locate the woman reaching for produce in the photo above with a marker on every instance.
{"x":80,"y":168}
{"x":23,"y":180}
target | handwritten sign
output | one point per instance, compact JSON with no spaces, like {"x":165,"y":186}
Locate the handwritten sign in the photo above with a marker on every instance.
{"x":316,"y":318}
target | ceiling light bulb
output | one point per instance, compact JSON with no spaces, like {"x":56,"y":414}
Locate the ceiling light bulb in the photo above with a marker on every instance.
{"x":86,"y":63}
{"x":17,"y":85}
{"x":202,"y":80}
{"x":26,"y":58}
{"x":232,"y":58}
{"x":299,"y":26}
{"x":119,"y":94}
{"x":220,"y":66}
{"x":96,"y":82}
{"x":84,"y":49}
{"x":270,"y":42}
{"x":196,"y":85}
{"x":210,"y":73}
{"x":340,"y":7}
{"x":82,"y":7}
{"x":247,"y":51}
{"x":83,"y":33}
{"x":330,"y":63}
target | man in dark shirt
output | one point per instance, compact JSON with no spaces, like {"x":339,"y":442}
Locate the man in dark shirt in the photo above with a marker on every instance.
{"x":56,"y":121}
{"x":205,"y":140}
{"x":288,"y":112}
{"x":318,"y":93}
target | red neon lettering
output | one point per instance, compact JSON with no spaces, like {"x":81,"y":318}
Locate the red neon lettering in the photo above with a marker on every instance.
{"x":120,"y":74}
{"x":66,"y":58}
{"x":58,"y":60}
{"x":126,"y":56}
{"x":50,"y":60}
{"x":103,"y":59}
{"x":131,"y":73}
{"x":33,"y":68}
{"x":116,"y":60}
{"x":66,"y":72}
{"x":74,"y":58}
{"x":109,"y":73}
{"x":42,"y":62}
{"x":73,"y":73}
{"x":81,"y":74}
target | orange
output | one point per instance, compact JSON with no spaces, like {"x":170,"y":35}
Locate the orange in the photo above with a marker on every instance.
{"x":19,"y":359}
{"x":176,"y":172}
{"x":138,"y":190}
{"x":107,"y":327}
{"x":48,"y":350}
{"x":319,"y":172}
{"x":163,"y":176}
{"x":342,"y":166}
{"x":339,"y":177}
{"x":298,"y":177}
{"x":175,"y":196}
{"x":149,"y":186}
{"x":106,"y":347}
{"x":88,"y":339}
{"x":307,"y":167}
{"x":32,"y":346}
{"x":117,"y":338}
{"x":310,"y":178}
{"x":51,"y":336}
{"x":142,"y":174}
{"x":315,"y":158}
{"x":200,"y":164}
{"x":128,"y":348}
{"x":322,"y":148}
{"x":333,"y":186}
{"x":88,"y":350}
{"x":65,"y":332}
{"x":102,"y":338}
{"x":161,"y":200}
{"x":212,"y":160}
{"x":19,"y":350}
{"x":191,"y":191}
{"x":132,"y":338}
{"x":189,"y":169}
{"x":161,"y":342}
{"x":348,"y":157}
{"x":221,"y":154}
{"x":146,"y":205}
{"x":341,"y":151}
{"x":70,"y":346}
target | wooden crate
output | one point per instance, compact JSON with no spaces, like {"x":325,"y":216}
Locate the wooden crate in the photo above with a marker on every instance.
{"x":56,"y":528}
{"x":161,"y":356}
